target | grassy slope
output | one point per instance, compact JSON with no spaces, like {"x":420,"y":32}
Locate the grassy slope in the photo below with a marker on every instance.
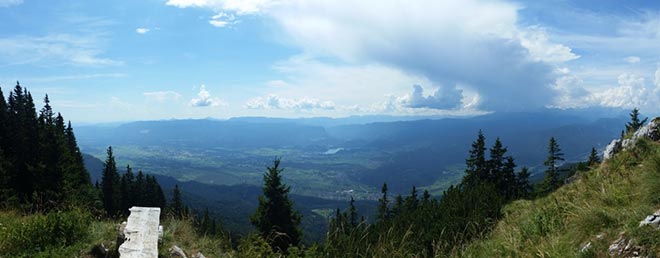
{"x":31,"y":236}
{"x":598,"y":207}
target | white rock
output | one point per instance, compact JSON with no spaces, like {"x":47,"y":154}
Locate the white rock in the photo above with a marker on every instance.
{"x":650,"y":131}
{"x":613,"y":148}
{"x":176,"y":251}
{"x":653,"y":220}
{"x":141,"y":233}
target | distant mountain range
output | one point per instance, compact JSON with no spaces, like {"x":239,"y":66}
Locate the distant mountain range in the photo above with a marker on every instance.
{"x":219,"y":163}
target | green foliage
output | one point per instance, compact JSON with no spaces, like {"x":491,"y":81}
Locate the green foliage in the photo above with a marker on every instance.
{"x":599,"y":206}
{"x":551,"y":180}
{"x":594,"y":158}
{"x":275,"y":218}
{"x":40,"y":164}
{"x":38,"y":233}
{"x":119,"y":193}
{"x":110,"y":185}
{"x":635,"y":123}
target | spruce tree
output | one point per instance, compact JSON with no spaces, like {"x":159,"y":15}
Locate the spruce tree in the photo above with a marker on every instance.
{"x":635,"y":123}
{"x":125,"y":186}
{"x":594,"y":159}
{"x":476,"y":164}
{"x":383,"y":204}
{"x":523,"y":185}
{"x":176,"y":204}
{"x":411,"y":201}
{"x":110,"y":185}
{"x":352,"y":213}
{"x":275,"y":218}
{"x":551,"y":180}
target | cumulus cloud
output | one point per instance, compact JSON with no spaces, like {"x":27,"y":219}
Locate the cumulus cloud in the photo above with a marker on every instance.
{"x":276,"y":102}
{"x":8,"y":3}
{"x":162,"y":96}
{"x":632,"y":59}
{"x":437,"y":100}
{"x":630,"y":92}
{"x":542,"y":49}
{"x":141,"y":30}
{"x":474,"y":43}
{"x":204,"y":99}
{"x":444,"y":43}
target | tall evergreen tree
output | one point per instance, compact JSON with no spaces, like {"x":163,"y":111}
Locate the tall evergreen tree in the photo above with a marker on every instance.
{"x":126,"y":185}
{"x":551,"y":180}
{"x":383,"y":204}
{"x":635,"y":123}
{"x":497,"y":159}
{"x":352,"y":213}
{"x":176,"y":205}
{"x":523,"y":185}
{"x":275,"y":218}
{"x":411,"y":201}
{"x":594,"y":159}
{"x":110,"y":185}
{"x":476,"y":170}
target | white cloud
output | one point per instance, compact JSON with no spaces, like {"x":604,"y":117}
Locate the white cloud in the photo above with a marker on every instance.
{"x":141,"y":30}
{"x":55,"y":48}
{"x":541,"y":49}
{"x":630,"y":92}
{"x":223,"y":20}
{"x":275,"y":102}
{"x":239,"y":6}
{"x":162,"y":96}
{"x":204,"y":99}
{"x":632,"y":59}
{"x":474,"y":43}
{"x":8,"y":3}
{"x":437,"y":100}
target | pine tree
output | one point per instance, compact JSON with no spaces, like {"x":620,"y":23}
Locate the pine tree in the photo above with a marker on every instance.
{"x":551,"y":180}
{"x":635,"y":123}
{"x":594,"y":159}
{"x":523,"y":186}
{"x":176,"y":204}
{"x":352,"y":213}
{"x":426,"y":198}
{"x":411,"y":201}
{"x":383,"y":204}
{"x":497,"y":159}
{"x":476,"y":164}
{"x":507,"y":181}
{"x":275,"y":218}
{"x":110,"y":185}
{"x":125,"y":188}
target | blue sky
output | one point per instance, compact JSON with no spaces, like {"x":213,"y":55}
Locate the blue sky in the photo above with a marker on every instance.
{"x":120,"y":60}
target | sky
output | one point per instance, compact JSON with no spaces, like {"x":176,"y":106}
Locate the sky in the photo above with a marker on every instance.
{"x":125,"y":60}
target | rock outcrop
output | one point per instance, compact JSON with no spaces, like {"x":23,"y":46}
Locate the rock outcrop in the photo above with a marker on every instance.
{"x":141,"y":233}
{"x":650,"y":131}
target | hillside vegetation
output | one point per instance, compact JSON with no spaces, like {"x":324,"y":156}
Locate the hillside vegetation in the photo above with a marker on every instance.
{"x":599,"y":207}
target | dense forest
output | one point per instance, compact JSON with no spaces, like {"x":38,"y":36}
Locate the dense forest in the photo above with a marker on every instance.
{"x":42,"y":173}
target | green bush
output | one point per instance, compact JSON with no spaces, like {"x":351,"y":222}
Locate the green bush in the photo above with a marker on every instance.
{"x":37,"y":233}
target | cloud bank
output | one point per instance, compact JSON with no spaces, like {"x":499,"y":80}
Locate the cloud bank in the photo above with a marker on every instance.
{"x":275,"y":102}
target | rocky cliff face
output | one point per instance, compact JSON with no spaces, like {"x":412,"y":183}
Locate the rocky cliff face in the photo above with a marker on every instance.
{"x":650,"y":131}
